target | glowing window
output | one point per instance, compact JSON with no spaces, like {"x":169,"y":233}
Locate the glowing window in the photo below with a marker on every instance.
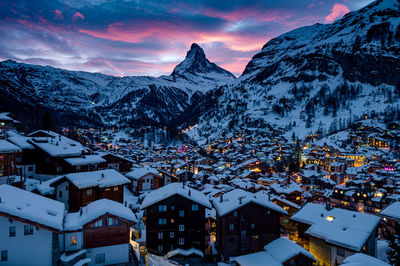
{"x":330,"y":218}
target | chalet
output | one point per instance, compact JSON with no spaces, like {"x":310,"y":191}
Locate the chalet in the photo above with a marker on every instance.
{"x":116,"y":162}
{"x":100,"y":231}
{"x":184,"y":175}
{"x":175,"y":217}
{"x":391,"y":218}
{"x":359,"y":259}
{"x":7,"y":121}
{"x":9,"y":154}
{"x":146,"y":178}
{"x":245,"y":222}
{"x":332,"y":234}
{"x":291,"y":191}
{"x":84,"y":163}
{"x":30,"y":225}
{"x":51,"y":151}
{"x":280,"y":252}
{"x":79,"y":189}
{"x":26,"y":162}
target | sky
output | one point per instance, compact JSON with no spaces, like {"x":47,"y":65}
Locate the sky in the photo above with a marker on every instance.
{"x":145,"y":37}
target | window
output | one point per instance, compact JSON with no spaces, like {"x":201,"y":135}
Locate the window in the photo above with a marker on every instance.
{"x":89,"y":192}
{"x":73,"y":240}
{"x":171,"y":234}
{"x":181,"y":227}
{"x":115,"y":188}
{"x":172,"y":221}
{"x":59,"y":169}
{"x":100,"y":258}
{"x":172,"y":207}
{"x":195,"y":207}
{"x":60,"y":194}
{"x":235,"y":213}
{"x":162,"y":208}
{"x":181,"y":241}
{"x":160,"y":248}
{"x":66,"y":188}
{"x":4,"y":255}
{"x":243,"y":233}
{"x":112,"y":221}
{"x":340,"y":252}
{"x":160,"y":235}
{"x":12,"y":231}
{"x":98,"y":223}
{"x":231,"y":227}
{"x":252,"y":226}
{"x":28,"y":229}
{"x":181,"y":213}
{"x":30,"y":168}
{"x":162,"y":221}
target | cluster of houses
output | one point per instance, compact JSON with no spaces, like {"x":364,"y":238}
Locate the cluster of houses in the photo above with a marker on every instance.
{"x":239,"y":200}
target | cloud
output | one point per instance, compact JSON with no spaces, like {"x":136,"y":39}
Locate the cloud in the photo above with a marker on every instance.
{"x":78,"y":15}
{"x":58,"y":14}
{"x":337,"y":11}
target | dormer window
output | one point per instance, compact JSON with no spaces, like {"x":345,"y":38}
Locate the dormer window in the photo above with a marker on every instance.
{"x":330,"y":218}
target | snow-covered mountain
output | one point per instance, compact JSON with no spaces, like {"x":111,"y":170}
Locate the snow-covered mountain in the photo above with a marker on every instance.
{"x":97,"y":99}
{"x":315,"y":78}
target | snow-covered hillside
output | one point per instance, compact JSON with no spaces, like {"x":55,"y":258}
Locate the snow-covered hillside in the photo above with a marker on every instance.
{"x":110,"y":100}
{"x":315,"y":78}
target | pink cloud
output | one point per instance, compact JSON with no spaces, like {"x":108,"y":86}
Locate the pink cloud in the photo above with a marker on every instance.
{"x":337,"y":11}
{"x":58,"y":14}
{"x":78,"y":15}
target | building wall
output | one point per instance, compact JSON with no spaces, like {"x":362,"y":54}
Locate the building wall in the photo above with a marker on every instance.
{"x":113,"y":254}
{"x":65,"y":241}
{"x":64,"y":197}
{"x":35,"y":249}
{"x":321,"y":251}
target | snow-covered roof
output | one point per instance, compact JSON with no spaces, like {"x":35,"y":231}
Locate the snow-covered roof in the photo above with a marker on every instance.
{"x":32,"y":207}
{"x":58,"y":145}
{"x":101,"y":178}
{"x":237,"y":198}
{"x":286,"y":189}
{"x":8,"y":147}
{"x":76,"y":220}
{"x":21,"y":142}
{"x":275,"y":253}
{"x":85,"y":160}
{"x":175,"y":189}
{"x":184,"y":252}
{"x":337,"y":226}
{"x":142,"y":171}
{"x":392,"y":211}
{"x":5,"y":117}
{"x":360,"y":259}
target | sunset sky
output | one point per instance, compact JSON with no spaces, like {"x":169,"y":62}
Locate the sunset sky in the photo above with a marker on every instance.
{"x":140,"y":37}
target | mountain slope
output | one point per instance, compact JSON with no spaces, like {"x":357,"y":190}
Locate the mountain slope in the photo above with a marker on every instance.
{"x":97,"y":99}
{"x":316,"y":78}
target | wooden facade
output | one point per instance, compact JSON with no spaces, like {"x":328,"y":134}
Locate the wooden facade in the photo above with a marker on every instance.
{"x":8,"y":163}
{"x":247,"y":229}
{"x":118,"y":163}
{"x":184,"y":225}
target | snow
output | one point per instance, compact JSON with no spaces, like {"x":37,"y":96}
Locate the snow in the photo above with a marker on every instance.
{"x":8,"y":147}
{"x":21,"y":142}
{"x":392,"y":211}
{"x":142,"y":171}
{"x":283,"y":249}
{"x":65,"y":258}
{"x":237,"y":198}
{"x":5,"y":117}
{"x":32,"y":207}
{"x":76,"y":220}
{"x":175,"y":189}
{"x":257,"y":259}
{"x":360,"y":259}
{"x":154,"y":260}
{"x":85,"y":160}
{"x":101,"y":178}
{"x":184,"y":252}
{"x":84,"y":261}
{"x":348,"y":229}
{"x":58,"y":146}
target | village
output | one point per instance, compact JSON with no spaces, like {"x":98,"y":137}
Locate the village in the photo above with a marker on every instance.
{"x":98,"y":197}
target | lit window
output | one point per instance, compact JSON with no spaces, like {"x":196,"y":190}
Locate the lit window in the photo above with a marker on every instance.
{"x":28,"y":229}
{"x":73,"y":240}
{"x":162,"y":208}
{"x":181,"y":227}
{"x":172,"y":221}
{"x":330,"y":218}
{"x":115,"y":188}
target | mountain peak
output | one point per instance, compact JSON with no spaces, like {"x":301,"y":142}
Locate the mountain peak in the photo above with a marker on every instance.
{"x":197,"y":64}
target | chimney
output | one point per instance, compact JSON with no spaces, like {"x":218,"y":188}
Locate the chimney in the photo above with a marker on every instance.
{"x":0,"y":199}
{"x":125,"y":203}
{"x":240,"y":200}
{"x":190,"y":193}
{"x":221,"y":199}
{"x":80,"y":211}
{"x":102,"y":175}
